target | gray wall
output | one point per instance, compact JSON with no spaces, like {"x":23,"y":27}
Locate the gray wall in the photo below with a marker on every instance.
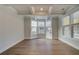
{"x":11,"y":28}
{"x":54,"y":27}
{"x":27,"y":27}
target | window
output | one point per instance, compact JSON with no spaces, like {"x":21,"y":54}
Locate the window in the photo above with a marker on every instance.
{"x":66,"y":27}
{"x":41,"y":27}
{"x":75,"y":24}
{"x":66,"y":20}
{"x":71,"y":26}
{"x":41,"y":23}
{"x":34,"y":23}
{"x":76,"y":18}
{"x":34,"y":28}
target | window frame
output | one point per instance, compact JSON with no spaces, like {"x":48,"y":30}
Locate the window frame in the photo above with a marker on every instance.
{"x":67,"y":25}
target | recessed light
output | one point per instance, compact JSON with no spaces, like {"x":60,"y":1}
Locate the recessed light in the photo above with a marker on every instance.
{"x":41,"y":9}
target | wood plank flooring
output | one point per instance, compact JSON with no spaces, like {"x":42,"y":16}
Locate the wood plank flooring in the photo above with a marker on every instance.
{"x":41,"y":47}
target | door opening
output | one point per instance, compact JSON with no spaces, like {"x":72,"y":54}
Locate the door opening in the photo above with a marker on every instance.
{"x":41,"y":27}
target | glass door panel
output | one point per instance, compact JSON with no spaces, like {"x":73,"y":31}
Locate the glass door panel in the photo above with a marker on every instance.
{"x":48,"y":29}
{"x":34,"y":28}
{"x":41,"y":28}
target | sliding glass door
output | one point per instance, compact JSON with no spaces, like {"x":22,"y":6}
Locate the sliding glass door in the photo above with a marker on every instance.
{"x":49,"y":29}
{"x":41,"y":28}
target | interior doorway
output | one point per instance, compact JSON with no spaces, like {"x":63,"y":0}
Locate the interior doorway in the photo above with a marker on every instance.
{"x":41,"y":27}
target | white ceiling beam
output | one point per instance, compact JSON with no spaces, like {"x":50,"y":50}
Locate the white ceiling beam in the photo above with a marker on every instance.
{"x":33,"y":10}
{"x":50,"y":10}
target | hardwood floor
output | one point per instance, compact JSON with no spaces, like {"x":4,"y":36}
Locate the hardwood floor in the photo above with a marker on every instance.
{"x":41,"y":47}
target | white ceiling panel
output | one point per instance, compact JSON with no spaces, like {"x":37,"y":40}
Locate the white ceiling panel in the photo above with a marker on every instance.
{"x":36,"y":9}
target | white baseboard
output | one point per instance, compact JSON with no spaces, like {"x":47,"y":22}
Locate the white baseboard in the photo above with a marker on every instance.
{"x":27,"y":38}
{"x":69,"y":43}
{"x":11,"y":45}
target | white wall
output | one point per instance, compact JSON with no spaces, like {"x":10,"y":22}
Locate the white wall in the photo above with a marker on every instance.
{"x":27,"y":27}
{"x":11,"y":28}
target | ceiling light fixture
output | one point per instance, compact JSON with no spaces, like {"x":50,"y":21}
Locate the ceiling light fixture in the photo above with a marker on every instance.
{"x":41,"y":9}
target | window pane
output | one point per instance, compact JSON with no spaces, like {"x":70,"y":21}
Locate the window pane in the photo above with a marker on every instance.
{"x":67,"y":32}
{"x":76,"y":25}
{"x":76,"y":17}
{"x":66,"y":20}
{"x":34,"y":23}
{"x":34,"y":30}
{"x":48,"y":23}
{"x":41,"y":30}
{"x":76,"y":31}
{"x":41,"y":23}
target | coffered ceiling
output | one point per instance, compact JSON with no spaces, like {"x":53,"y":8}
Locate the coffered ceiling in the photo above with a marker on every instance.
{"x":41,"y":9}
